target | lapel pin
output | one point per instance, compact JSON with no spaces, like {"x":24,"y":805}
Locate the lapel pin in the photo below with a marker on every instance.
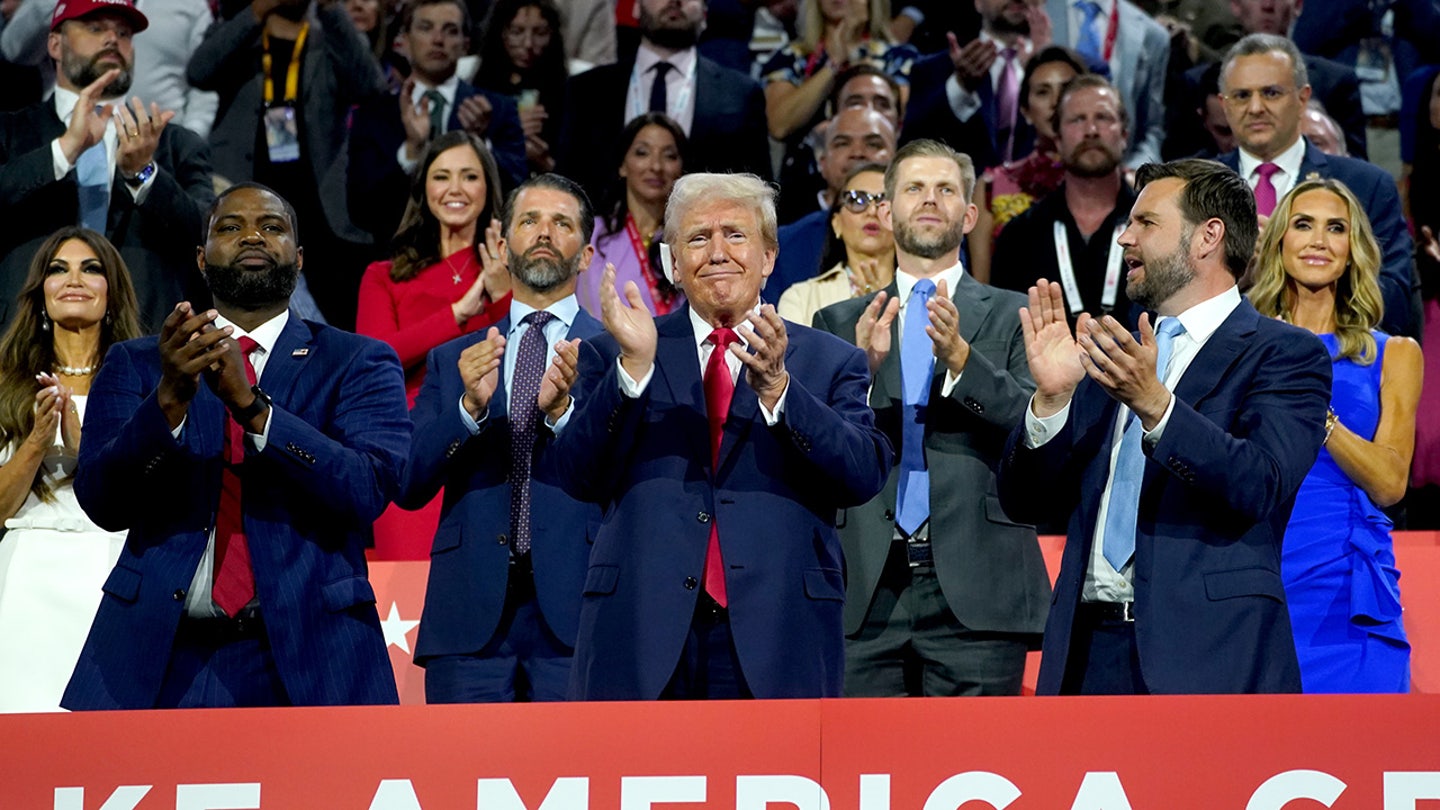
{"x":1313,"y":176}
{"x":300,"y":353}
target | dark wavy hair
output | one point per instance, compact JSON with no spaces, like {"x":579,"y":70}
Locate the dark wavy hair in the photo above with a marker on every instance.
{"x":549,"y":72}
{"x":417,"y":241}
{"x":27,"y":348}
{"x":614,"y":202}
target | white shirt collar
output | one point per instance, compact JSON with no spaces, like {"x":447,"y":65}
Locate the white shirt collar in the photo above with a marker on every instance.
{"x":702,"y":329}
{"x":266,"y":334}
{"x":65,"y":101}
{"x":905,"y":282}
{"x":564,"y":310}
{"x":447,"y":88}
{"x":1204,"y":318}
{"x":1289,"y":161}
{"x":646,"y":58}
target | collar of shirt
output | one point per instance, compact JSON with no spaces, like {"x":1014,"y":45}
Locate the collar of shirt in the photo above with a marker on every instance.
{"x":1289,"y":162}
{"x":265,"y":335}
{"x":65,"y":101}
{"x":1204,"y":318}
{"x":1102,"y":20}
{"x":564,"y":311}
{"x":447,"y":88}
{"x":1023,"y":48}
{"x":702,"y":332}
{"x":905,"y":282}
{"x":646,"y":58}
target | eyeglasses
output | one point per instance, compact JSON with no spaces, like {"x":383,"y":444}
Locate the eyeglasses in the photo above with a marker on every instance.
{"x":857,"y":201}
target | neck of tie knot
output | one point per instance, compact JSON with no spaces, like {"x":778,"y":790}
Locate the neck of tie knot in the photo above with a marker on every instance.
{"x":1089,"y":8}
{"x":1009,"y":54}
{"x":247,"y":344}
{"x":1267,"y":170}
{"x":722,"y":338}
{"x":539,"y":318}
{"x":923,"y":289}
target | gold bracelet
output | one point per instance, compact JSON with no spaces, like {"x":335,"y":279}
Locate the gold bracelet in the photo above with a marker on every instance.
{"x":1331,"y":420}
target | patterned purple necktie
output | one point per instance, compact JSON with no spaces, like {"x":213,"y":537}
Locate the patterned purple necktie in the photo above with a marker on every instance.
{"x":524,"y":421}
{"x":1007,"y":97}
{"x":1265,"y":196}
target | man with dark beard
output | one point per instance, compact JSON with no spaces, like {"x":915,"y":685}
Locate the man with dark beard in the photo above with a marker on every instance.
{"x":116,"y":167}
{"x":1175,"y":453}
{"x":721,"y":110}
{"x":508,"y":565}
{"x":247,"y":452}
{"x":944,"y":594}
{"x":1069,"y":235}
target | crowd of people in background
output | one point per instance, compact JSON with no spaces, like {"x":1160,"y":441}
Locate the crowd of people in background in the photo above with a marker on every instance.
{"x":713,"y":349}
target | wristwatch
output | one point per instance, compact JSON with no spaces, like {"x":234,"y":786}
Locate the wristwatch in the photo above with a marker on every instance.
{"x":255,"y":408}
{"x":145,"y":173}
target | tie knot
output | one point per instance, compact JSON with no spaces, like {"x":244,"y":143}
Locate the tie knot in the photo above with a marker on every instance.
{"x":435,"y":96}
{"x":1266,"y":170}
{"x":247,"y":344}
{"x":1170,"y":328}
{"x":1009,"y":54}
{"x":1089,"y":8}
{"x":923,"y":289}
{"x":722,"y":337}
{"x":661,"y":68}
{"x":538,"y":318}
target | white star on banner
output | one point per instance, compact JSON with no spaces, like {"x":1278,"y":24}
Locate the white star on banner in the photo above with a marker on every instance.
{"x":396,"y":628}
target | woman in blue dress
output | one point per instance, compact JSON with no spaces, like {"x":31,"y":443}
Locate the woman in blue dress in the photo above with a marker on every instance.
{"x":1318,"y":268}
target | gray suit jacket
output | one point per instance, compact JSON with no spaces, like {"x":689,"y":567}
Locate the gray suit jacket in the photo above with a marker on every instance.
{"x":1137,"y":68}
{"x":989,"y":566}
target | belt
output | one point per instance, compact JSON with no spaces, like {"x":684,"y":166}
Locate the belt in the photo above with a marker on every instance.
{"x":916,"y":551}
{"x":1107,"y":612}
{"x":249,"y":624}
{"x":708,"y":611}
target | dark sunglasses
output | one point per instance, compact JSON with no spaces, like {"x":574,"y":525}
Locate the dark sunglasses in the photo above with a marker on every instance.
{"x":857,"y":201}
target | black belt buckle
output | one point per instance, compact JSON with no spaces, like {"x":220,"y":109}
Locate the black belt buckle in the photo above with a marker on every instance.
{"x":917,"y":546}
{"x":1123,"y":612}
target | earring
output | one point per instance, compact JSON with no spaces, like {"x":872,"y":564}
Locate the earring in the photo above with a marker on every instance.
{"x":44,"y":321}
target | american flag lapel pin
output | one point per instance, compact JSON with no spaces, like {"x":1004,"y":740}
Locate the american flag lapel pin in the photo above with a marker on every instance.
{"x":300,"y":353}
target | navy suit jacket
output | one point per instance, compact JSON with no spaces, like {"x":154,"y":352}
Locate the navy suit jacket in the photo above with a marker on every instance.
{"x":802,"y":243}
{"x":646,"y":461}
{"x":332,"y":462}
{"x":470,"y":562}
{"x":377,"y":187}
{"x":1210,"y":612}
{"x":728,"y":133}
{"x":928,"y":115}
{"x":156,"y":238}
{"x":1378,"y":195}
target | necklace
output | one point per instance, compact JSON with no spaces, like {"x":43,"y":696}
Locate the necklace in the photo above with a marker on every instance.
{"x":72,"y":371}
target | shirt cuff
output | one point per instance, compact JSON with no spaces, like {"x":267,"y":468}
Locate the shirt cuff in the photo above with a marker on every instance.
{"x":139,"y":194}
{"x":564,"y":419}
{"x":57,"y":159}
{"x":630,"y":387}
{"x":405,"y":163}
{"x":258,"y":440}
{"x":772,"y":418}
{"x":963,"y":103}
{"x":913,"y":13}
{"x":1039,"y":430}
{"x":471,"y":423}
{"x":1150,"y":438}
{"x":951,"y":380}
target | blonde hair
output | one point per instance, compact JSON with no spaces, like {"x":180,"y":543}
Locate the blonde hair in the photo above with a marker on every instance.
{"x":812,"y":24}
{"x":746,"y":189}
{"x":1358,"y":303}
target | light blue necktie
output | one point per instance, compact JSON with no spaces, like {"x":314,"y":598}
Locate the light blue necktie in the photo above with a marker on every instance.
{"x":92,"y":171}
{"x":1130,"y":466}
{"x":917,"y":367}
{"x":1088,"y":44}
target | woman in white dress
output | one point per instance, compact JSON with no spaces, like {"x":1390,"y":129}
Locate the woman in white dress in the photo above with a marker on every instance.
{"x":77,"y":300}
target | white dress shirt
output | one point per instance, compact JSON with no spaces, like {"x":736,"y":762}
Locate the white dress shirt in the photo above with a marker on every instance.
{"x":964,"y":102}
{"x":565,"y":310}
{"x":447,"y":89}
{"x":679,"y":85}
{"x":905,"y":283}
{"x":1102,"y":582}
{"x":1288,"y":161}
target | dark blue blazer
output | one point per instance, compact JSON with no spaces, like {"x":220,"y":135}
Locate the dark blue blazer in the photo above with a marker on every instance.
{"x":646,"y":461}
{"x":802,"y":243}
{"x":1378,"y":195}
{"x":470,"y":562}
{"x":377,"y":187}
{"x":928,"y":115}
{"x":332,"y":462}
{"x":1247,"y":424}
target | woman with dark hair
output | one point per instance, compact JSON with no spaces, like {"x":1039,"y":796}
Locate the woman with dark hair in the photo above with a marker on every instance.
{"x":627,"y":236}
{"x":523,"y":56}
{"x":1005,"y":192}
{"x":444,"y":280}
{"x":1424,"y":197}
{"x":860,"y":255}
{"x":77,"y":301}
{"x":1318,"y":267}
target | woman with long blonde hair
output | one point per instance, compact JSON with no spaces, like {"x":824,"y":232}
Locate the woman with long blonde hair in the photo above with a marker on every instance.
{"x":1318,"y":268}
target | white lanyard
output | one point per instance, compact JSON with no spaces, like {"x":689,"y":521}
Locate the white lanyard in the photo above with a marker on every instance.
{"x":1067,"y":270}
{"x":639,"y":104}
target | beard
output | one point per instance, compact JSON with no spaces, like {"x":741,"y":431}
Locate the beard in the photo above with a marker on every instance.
{"x":1082,"y":164}
{"x":83,"y":72}
{"x":1163,"y":277}
{"x":929,"y":247}
{"x":252,"y":289}
{"x":543,"y":273}
{"x":672,"y":38}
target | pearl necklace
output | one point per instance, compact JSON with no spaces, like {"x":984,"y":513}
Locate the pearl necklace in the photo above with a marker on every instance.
{"x":72,"y":371}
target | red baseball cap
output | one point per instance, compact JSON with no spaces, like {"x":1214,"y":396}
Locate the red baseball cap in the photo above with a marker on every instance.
{"x":76,"y":9}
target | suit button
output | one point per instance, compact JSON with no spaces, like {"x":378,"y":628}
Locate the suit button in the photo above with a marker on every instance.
{"x":889,"y":514}
{"x":703,"y":517}
{"x":502,"y":539}
{"x":179,"y":595}
{"x":690,"y":583}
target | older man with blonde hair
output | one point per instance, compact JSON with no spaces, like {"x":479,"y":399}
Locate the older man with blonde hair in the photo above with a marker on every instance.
{"x":720,"y":446}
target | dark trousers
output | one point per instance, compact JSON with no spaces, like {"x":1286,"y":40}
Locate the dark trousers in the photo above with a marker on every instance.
{"x":221,"y":663}
{"x":524,"y":660}
{"x":709,"y":667}
{"x":911,"y":644}
{"x":1103,"y":659}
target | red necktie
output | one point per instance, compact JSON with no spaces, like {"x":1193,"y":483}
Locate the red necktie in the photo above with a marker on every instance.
{"x":719,"y":390}
{"x":234,"y":578}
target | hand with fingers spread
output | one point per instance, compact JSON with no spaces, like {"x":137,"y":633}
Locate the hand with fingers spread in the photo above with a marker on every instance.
{"x":1124,"y":367}
{"x":765,"y":359}
{"x":872,"y":331}
{"x":138,"y":135}
{"x":868,"y":276}
{"x":185,"y":352}
{"x":1042,"y":31}
{"x":415,"y":120}
{"x":555,"y":386}
{"x":944,"y":331}
{"x":629,"y":321}
{"x":474,"y":115}
{"x":480,"y":371}
{"x":1429,"y":243}
{"x":495,"y":262}
{"x":972,"y":61}
{"x":87,"y":124}
{"x":1050,"y":348}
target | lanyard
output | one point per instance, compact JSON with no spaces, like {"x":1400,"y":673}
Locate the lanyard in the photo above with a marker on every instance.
{"x":662,"y":302}
{"x":292,"y":71}
{"x":1067,"y":270}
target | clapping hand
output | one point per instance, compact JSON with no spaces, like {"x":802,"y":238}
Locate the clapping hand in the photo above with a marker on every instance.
{"x":555,"y":386}
{"x":872,"y":331}
{"x":630,"y":323}
{"x":479,"y":367}
{"x":765,"y":359}
{"x":1124,"y":367}
{"x":1050,"y":348}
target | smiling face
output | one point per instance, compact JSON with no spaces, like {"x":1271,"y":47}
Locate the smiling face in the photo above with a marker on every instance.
{"x":721,"y":260}
{"x":651,"y":165}
{"x":861,"y":230}
{"x":1157,"y":245}
{"x":250,"y":258}
{"x":455,"y":188}
{"x":76,"y":290}
{"x":1263,"y":104}
{"x":1316,"y":246}
{"x":928,"y":212}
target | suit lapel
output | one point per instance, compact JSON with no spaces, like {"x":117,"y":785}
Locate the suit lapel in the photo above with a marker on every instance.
{"x":1209,"y":367}
{"x":463,"y":91}
{"x":292,"y":351}
{"x":500,"y":400}
{"x":677,"y":369}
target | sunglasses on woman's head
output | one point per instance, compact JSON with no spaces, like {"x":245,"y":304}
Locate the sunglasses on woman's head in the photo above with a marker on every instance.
{"x":857,"y":201}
